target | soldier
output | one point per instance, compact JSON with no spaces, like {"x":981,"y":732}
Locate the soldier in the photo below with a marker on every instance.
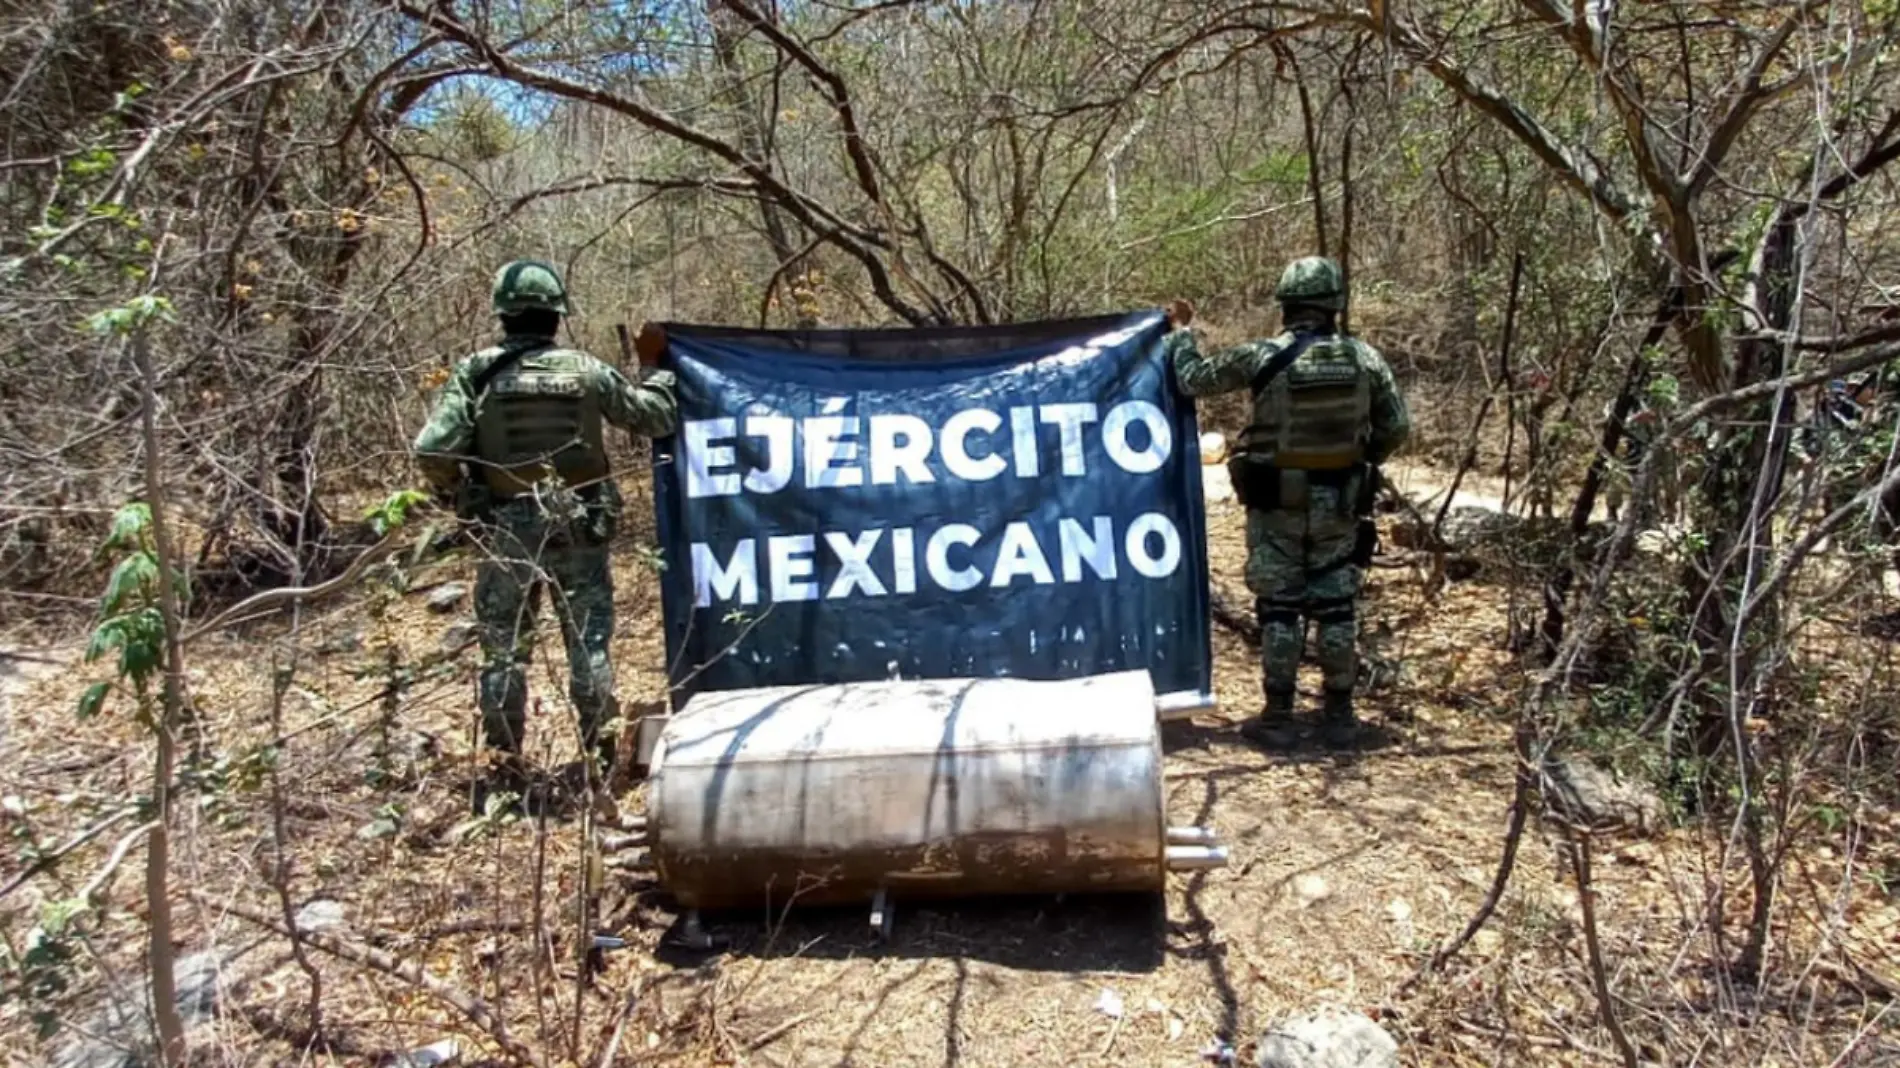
{"x":516,"y":442}
{"x":1326,"y":413}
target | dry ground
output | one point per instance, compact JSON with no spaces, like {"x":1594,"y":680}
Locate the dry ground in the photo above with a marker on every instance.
{"x":1344,"y":873}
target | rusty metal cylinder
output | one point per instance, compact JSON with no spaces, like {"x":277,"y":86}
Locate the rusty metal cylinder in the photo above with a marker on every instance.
{"x":920,"y":788}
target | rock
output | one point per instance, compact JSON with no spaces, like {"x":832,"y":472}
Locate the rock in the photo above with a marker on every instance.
{"x":446,"y":597}
{"x":460,"y":636}
{"x":1591,"y":797}
{"x":1311,"y":890}
{"x":118,"y":1034}
{"x":347,"y":642}
{"x":320,"y":915}
{"x":447,"y":1051}
{"x":197,"y":978}
{"x":1329,"y":1038}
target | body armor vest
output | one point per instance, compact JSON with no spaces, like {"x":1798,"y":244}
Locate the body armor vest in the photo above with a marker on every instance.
{"x":1316,"y":414}
{"x":538,"y":419}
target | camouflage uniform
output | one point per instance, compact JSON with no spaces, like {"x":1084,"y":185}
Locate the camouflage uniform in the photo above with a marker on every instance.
{"x":1300,"y":562}
{"x":528,"y":458}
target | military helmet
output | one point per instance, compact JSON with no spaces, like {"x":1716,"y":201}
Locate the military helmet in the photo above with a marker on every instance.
{"x":529,"y":285}
{"x":1313,"y":280}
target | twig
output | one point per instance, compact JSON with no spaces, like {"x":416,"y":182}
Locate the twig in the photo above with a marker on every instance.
{"x":47,"y":862}
{"x":1599,"y":974}
{"x":778,"y":1032}
{"x":8,"y":654}
{"x":117,"y":857}
{"x":474,"y":1008}
{"x":1507,"y":862}
{"x":288,"y":594}
{"x":620,"y":1027}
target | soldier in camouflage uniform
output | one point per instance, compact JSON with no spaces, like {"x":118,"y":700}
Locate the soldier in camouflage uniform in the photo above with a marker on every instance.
{"x":515,"y":440}
{"x":1326,"y":412}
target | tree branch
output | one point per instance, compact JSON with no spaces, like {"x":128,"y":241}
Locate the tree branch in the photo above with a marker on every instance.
{"x":855,"y":240}
{"x":1571,"y":165}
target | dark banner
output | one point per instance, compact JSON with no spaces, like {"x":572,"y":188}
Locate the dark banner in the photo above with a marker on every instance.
{"x":1019,"y":501}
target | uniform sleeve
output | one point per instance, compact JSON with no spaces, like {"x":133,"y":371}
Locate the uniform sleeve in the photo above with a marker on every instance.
{"x":1391,"y":421}
{"x":1224,"y":371}
{"x":649,"y":408}
{"x":449,"y":434}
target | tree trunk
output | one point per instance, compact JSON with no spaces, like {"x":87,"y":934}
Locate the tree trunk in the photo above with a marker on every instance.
{"x":1740,"y":493}
{"x":159,"y":956}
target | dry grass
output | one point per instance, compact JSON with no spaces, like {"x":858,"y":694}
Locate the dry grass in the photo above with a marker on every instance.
{"x":1404,"y":839}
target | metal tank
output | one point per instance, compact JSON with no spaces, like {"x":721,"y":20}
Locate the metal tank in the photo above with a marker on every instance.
{"x":912,"y":788}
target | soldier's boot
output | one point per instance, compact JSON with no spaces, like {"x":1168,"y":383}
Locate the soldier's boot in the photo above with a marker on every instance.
{"x":1338,"y":726}
{"x":1274,"y":729}
{"x":507,"y":776}
{"x":504,"y":700}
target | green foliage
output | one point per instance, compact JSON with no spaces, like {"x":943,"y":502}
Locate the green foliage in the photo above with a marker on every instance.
{"x":393,"y":512}
{"x":132,"y":316}
{"x":130,"y":622}
{"x":39,"y":974}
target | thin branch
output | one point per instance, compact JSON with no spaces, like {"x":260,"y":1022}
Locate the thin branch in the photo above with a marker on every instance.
{"x":473,"y":1008}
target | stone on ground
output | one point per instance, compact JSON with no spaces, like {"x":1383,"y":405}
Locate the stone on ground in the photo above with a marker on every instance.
{"x":1328,"y":1038}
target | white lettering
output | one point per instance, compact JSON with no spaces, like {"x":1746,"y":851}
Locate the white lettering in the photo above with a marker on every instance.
{"x":888,"y":458}
{"x":1078,"y":547}
{"x":1020,"y":555}
{"x":788,"y":558}
{"x":1115,"y":437}
{"x":1070,"y":419}
{"x":738,"y":577}
{"x":956,"y":455}
{"x":1135,"y":544}
{"x":831,"y":452}
{"x":904,"y":560}
{"x":702,"y":456}
{"x":1025,"y":447}
{"x":937,"y":556}
{"x":854,"y":558}
{"x":777,"y":430}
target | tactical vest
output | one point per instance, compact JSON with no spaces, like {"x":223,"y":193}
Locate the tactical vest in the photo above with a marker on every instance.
{"x":1316,"y":415}
{"x":537,"y":419}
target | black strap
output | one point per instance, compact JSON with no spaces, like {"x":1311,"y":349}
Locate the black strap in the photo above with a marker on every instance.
{"x":1283,"y":359}
{"x":510,"y":355}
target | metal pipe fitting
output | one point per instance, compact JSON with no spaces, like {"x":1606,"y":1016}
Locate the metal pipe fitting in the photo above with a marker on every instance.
{"x":1192,"y":836}
{"x":1196,"y":857}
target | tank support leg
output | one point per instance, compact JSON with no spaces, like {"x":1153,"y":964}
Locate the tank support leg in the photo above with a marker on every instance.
{"x":881,"y":915}
{"x":692,"y":935}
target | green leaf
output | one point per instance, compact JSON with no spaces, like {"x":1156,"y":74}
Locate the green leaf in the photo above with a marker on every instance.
{"x":106,"y":637}
{"x":132,"y":579}
{"x":93,"y":699}
{"x":394,"y":511}
{"x":129,"y":526}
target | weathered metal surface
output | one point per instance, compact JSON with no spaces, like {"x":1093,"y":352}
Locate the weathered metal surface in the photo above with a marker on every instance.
{"x":928,"y":789}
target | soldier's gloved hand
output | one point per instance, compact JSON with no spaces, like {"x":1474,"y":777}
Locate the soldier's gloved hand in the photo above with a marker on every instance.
{"x":1180,"y":313}
{"x":650,"y":344}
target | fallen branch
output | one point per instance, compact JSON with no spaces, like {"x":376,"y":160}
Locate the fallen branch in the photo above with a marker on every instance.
{"x":117,"y":857}
{"x":774,"y":1034}
{"x":49,"y":861}
{"x":470,"y":1006}
{"x":288,"y":594}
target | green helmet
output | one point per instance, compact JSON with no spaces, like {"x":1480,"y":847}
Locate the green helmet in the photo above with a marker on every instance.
{"x":1315,"y":281}
{"x":529,"y":285}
